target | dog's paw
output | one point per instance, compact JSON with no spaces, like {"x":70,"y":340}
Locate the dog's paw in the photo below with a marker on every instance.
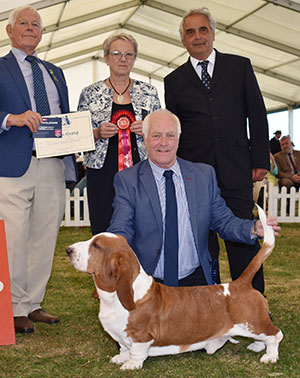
{"x":132,"y":365}
{"x":119,"y":359}
{"x":233,"y":341}
{"x":257,"y":346}
{"x":266,"y":358}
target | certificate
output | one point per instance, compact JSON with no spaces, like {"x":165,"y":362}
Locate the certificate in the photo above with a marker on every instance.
{"x":50,"y":128}
{"x":77,"y":136}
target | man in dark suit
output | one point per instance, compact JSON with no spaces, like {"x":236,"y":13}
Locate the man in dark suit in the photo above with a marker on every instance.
{"x":140,"y":206}
{"x":288,"y":163}
{"x":32,"y":195}
{"x":275,"y":143}
{"x":215,"y":95}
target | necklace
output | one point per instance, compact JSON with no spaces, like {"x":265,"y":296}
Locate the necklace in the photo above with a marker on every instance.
{"x":120,"y":95}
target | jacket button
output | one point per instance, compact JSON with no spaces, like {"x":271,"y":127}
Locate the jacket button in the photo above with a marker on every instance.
{"x":158,"y":251}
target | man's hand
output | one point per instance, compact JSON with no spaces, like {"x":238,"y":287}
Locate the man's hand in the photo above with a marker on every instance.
{"x":258,"y":174}
{"x":271,"y":222}
{"x":296,"y":178}
{"x":29,"y":118}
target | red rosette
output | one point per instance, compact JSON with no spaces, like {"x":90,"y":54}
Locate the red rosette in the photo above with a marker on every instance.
{"x":123,"y":119}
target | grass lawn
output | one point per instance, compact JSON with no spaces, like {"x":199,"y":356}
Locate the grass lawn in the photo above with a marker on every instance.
{"x":79,"y":347}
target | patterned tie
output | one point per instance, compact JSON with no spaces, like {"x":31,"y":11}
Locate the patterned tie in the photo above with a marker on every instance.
{"x":293,"y":163}
{"x":40,"y":94}
{"x":171,"y":234}
{"x":204,"y":74}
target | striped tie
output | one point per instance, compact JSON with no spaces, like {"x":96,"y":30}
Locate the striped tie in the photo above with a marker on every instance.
{"x":40,"y":94}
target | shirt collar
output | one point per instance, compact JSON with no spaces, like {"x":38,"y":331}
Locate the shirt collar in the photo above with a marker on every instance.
{"x":20,"y":54}
{"x":211,"y":59}
{"x":158,"y":171}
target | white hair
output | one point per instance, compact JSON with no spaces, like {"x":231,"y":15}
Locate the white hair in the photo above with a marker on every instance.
{"x":200,"y":11}
{"x":147,"y":120}
{"x":12,"y":18}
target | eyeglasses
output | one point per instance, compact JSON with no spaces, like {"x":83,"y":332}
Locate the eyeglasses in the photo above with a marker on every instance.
{"x":117,"y":55}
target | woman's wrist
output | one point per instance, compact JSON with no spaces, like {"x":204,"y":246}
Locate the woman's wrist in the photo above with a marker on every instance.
{"x":96,"y":134}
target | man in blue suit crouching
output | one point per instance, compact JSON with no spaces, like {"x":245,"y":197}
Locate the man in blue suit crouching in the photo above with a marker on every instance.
{"x":140,"y":208}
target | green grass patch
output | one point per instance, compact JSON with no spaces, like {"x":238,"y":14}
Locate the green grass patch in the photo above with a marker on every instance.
{"x":79,"y":347}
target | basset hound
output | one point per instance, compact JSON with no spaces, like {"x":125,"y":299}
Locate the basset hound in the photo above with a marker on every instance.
{"x":147,"y":318}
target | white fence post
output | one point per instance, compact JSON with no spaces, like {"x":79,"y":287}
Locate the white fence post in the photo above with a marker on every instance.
{"x":284,"y":206}
{"x":77,"y":210}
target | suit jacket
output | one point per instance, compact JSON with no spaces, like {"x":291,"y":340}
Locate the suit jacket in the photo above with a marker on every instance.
{"x":16,"y":143}
{"x":284,"y":166}
{"x":275,"y":146}
{"x":137,"y":214}
{"x":214,"y":121}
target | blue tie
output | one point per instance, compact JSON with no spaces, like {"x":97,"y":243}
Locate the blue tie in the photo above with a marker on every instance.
{"x":40,"y":94}
{"x":171,"y":234}
{"x":204,"y":74}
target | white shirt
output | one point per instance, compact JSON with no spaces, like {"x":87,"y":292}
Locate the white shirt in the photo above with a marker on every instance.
{"x":210,"y":67}
{"x":188,"y":260}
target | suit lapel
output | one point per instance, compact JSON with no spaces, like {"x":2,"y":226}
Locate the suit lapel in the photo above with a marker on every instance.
{"x":16,"y":74}
{"x":53,"y":77}
{"x":148,"y":181}
{"x":189,"y":179}
{"x":51,"y":73}
{"x":220,"y":64}
{"x":60,"y":86}
{"x":192,"y":76}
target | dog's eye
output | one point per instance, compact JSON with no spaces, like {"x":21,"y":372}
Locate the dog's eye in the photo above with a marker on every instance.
{"x":95,"y":245}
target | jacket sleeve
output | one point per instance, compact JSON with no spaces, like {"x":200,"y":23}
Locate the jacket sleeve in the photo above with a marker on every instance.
{"x":169,"y":98}
{"x":223,"y":221}
{"x":257,"y":118}
{"x":123,"y":219}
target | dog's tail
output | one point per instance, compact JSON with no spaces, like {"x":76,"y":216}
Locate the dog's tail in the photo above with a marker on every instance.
{"x":263,"y":253}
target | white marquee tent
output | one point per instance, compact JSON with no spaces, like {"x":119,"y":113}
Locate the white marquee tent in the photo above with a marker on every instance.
{"x":266,"y":31}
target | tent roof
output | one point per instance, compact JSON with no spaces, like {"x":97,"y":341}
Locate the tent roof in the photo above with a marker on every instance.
{"x":266,"y":31}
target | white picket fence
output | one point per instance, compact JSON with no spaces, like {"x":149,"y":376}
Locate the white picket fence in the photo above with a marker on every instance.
{"x":276,"y":202}
{"x":285,"y":207}
{"x":77,"y":210}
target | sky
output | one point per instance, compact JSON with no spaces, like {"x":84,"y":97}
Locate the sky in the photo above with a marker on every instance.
{"x":280,"y":121}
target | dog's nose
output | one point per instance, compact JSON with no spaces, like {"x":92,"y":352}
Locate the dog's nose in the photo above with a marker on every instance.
{"x":69,"y":250}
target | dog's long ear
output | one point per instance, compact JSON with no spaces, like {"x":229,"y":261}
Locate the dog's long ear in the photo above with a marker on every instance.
{"x":121,"y":269}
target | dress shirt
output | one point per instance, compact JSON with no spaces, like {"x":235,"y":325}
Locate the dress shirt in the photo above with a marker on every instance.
{"x":52,"y":93}
{"x":188,"y":259}
{"x":211,"y":64}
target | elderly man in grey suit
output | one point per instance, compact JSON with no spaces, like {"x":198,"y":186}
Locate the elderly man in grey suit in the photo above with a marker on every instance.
{"x":142,"y":203}
{"x":288,"y":163}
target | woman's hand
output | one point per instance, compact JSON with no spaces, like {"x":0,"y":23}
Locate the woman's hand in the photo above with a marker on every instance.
{"x":105,"y":130}
{"x":137,"y":127}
